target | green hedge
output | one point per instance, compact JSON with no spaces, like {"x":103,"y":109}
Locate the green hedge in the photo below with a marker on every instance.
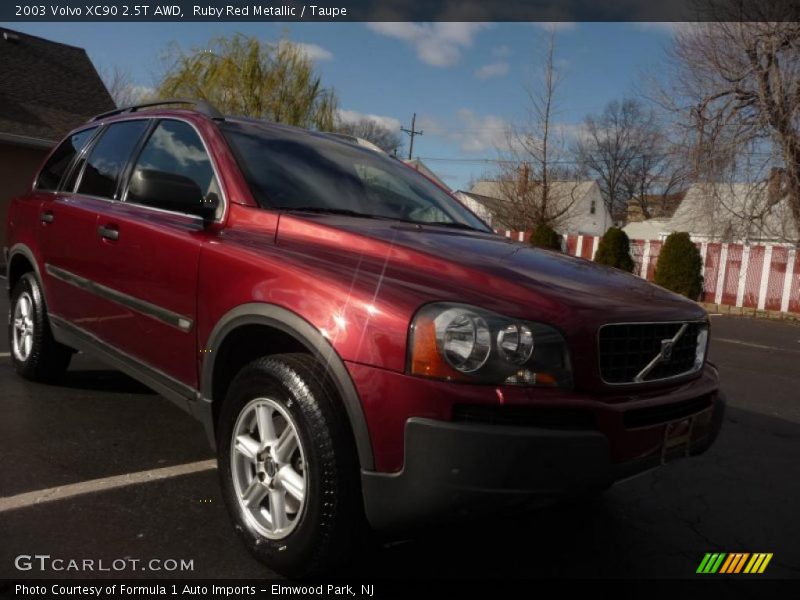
{"x":680,"y":267}
{"x":544,"y":236}
{"x":614,"y":250}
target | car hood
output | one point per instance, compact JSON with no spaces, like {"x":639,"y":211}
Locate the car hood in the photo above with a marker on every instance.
{"x":508,"y":268}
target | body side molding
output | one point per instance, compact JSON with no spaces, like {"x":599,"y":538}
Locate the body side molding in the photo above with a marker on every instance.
{"x":148,"y":309}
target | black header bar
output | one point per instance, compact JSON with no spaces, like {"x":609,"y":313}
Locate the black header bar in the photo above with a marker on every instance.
{"x":12,"y":11}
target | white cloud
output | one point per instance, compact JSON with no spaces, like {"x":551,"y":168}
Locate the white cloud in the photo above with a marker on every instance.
{"x":476,"y":133}
{"x":140,"y":92}
{"x":353,"y":116}
{"x":497,"y":69}
{"x":436,"y":44}
{"x":313,"y":51}
{"x":430,"y":125}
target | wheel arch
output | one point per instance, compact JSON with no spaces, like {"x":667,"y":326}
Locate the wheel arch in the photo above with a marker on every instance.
{"x":20,"y":261}
{"x":307,"y":337}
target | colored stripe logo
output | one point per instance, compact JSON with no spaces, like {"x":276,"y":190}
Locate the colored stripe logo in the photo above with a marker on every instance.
{"x":734,"y":562}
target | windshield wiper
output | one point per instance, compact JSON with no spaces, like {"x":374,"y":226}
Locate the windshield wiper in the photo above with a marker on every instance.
{"x":328,"y":210}
{"x":331,"y":210}
{"x":452,"y":225}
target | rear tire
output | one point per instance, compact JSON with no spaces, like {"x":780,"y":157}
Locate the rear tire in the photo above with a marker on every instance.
{"x":35,"y":354}
{"x":296,"y":504}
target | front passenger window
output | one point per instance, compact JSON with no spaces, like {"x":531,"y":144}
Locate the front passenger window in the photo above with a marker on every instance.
{"x":173,"y":171}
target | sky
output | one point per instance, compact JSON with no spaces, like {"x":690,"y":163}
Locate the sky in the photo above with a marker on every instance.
{"x":465,"y":81}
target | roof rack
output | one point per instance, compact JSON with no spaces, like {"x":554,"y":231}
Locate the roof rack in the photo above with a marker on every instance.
{"x":202,"y":107}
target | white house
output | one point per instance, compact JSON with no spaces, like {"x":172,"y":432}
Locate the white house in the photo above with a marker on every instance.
{"x":480,"y":205}
{"x":586,"y":213}
{"x":743,"y":212}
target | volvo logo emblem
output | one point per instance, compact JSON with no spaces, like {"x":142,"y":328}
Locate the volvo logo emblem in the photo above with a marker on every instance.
{"x":666,"y":349}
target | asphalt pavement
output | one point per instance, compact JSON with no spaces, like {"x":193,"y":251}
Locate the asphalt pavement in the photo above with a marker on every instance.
{"x":98,"y":429}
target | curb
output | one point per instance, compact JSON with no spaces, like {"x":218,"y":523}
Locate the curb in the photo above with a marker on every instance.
{"x":772,"y":315}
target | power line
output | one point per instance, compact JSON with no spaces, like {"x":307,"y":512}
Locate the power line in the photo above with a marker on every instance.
{"x":411,"y":132}
{"x":558,"y":162}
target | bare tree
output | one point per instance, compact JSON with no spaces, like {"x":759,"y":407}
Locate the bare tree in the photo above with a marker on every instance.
{"x":657,"y":176}
{"x":610,"y":149}
{"x":373,"y":131}
{"x":120,"y":85}
{"x":533,"y":179}
{"x":737,"y":87}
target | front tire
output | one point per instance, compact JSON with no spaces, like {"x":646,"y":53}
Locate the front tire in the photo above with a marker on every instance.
{"x":288,"y":466}
{"x":35,"y":354}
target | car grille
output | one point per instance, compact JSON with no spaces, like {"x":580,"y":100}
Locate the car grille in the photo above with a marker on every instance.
{"x":627,"y":349}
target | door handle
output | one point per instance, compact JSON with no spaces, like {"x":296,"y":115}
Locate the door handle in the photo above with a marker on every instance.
{"x":108,"y":232}
{"x":47,"y":216}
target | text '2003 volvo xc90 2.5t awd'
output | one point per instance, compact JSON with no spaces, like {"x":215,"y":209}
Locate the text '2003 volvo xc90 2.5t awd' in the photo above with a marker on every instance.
{"x":359,"y":346}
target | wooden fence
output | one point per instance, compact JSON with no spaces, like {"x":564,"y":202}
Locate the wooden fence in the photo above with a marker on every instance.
{"x":755,"y":276}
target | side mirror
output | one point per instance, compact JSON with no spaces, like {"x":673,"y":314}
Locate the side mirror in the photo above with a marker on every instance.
{"x":208,"y":207}
{"x":171,"y":191}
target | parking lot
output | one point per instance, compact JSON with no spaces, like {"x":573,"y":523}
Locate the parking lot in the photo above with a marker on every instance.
{"x":742,"y":496}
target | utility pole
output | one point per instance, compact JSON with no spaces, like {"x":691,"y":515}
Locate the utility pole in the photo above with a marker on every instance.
{"x":411,"y":132}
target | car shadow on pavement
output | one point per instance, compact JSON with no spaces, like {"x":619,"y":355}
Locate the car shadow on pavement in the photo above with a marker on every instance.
{"x":101,"y":380}
{"x":735,"y":498}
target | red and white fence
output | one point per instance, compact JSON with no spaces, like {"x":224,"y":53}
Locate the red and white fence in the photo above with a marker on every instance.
{"x":755,"y":276}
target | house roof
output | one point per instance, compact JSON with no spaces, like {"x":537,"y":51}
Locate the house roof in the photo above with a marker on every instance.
{"x":491,"y":204}
{"x":420,"y":166}
{"x":659,"y":206}
{"x":736,"y":211}
{"x":46,"y":88}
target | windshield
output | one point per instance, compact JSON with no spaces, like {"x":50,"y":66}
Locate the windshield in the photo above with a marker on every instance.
{"x":296,"y":170}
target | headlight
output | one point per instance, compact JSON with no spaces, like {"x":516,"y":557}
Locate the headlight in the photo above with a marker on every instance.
{"x":465,"y":343}
{"x":464,"y":339}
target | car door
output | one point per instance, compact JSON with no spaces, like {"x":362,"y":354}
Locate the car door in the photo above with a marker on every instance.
{"x":152,"y":250}
{"x":68,"y":235}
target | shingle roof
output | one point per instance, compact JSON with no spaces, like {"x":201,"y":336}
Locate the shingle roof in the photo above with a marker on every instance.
{"x":46,"y":88}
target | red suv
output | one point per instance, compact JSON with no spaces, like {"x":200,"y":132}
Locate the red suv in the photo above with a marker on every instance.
{"x":360,"y":347}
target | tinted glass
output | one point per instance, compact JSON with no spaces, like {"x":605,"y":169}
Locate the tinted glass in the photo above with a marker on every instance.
{"x":56,"y":166}
{"x":297,"y":170}
{"x":108,"y":158}
{"x":175,"y":157}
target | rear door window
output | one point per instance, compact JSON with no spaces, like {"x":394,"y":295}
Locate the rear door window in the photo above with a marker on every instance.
{"x":59,"y":161}
{"x":108,"y":158}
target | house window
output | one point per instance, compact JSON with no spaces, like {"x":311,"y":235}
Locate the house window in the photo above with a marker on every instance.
{"x":593,"y":207}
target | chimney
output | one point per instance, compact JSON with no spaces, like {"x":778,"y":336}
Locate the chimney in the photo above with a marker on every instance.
{"x":776,"y":185}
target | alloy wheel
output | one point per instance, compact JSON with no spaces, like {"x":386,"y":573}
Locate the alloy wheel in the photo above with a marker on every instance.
{"x":269,"y":468}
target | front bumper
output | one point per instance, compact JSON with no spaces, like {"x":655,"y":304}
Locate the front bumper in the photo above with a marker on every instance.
{"x":454,"y":469}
